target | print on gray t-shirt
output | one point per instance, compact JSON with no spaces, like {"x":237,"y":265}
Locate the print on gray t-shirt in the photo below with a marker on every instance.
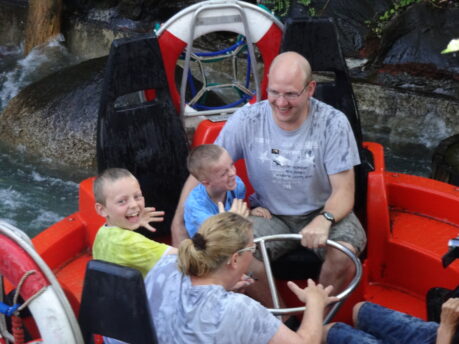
{"x":289,"y":169}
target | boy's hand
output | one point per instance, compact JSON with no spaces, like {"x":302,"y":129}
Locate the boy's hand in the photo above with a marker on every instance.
{"x":151,"y":215}
{"x":239,"y":207}
{"x":243,"y":283}
{"x":262,"y":212}
{"x":313,"y":293}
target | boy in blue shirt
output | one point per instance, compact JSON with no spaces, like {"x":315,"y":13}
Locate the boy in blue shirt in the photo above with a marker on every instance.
{"x":220,"y":189}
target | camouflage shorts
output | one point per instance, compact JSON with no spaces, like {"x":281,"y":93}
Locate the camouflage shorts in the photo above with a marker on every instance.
{"x":347,"y":230}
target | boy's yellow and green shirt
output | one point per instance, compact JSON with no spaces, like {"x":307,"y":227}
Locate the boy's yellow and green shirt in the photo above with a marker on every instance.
{"x":127,"y":248}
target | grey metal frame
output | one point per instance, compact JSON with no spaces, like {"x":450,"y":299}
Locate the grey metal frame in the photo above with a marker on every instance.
{"x":272,"y":285}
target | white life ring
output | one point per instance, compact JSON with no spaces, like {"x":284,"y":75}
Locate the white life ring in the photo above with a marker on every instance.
{"x":50,"y":309}
{"x":218,"y":15}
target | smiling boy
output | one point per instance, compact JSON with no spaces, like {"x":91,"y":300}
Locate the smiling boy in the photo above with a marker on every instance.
{"x":120,"y":201}
{"x":220,"y":189}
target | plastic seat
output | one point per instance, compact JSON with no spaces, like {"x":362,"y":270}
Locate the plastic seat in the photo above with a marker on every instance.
{"x":114,"y":304}
{"x":138,"y":127}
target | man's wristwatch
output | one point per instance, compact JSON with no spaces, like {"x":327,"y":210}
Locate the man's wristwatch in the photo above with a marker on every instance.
{"x":328,"y":216}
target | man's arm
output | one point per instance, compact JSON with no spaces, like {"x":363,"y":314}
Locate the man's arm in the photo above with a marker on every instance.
{"x":178,"y":230}
{"x":340,"y":204}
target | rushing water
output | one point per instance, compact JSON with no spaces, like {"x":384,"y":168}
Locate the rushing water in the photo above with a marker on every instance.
{"x":33,"y":195}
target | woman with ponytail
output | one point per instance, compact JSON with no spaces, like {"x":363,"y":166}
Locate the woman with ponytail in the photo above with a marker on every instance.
{"x":191,"y":299}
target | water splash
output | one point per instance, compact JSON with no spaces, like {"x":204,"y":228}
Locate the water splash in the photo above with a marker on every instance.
{"x":33,"y":196}
{"x":105,"y":15}
{"x":16,"y":73}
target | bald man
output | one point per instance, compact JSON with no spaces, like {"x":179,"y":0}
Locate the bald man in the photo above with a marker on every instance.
{"x":300,"y":155}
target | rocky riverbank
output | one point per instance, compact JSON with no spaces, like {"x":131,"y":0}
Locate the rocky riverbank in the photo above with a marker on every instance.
{"x":55,"y":118}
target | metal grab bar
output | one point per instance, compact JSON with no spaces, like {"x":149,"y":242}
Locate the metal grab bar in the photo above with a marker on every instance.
{"x":272,"y":286}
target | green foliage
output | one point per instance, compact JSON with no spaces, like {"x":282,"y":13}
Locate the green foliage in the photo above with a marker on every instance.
{"x":399,"y":6}
{"x":280,"y":7}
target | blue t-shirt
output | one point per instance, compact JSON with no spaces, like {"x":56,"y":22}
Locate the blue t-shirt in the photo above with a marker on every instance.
{"x":184,"y":313}
{"x":199,"y":206}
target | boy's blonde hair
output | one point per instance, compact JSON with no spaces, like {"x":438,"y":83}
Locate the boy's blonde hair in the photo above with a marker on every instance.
{"x":201,"y":157}
{"x":218,"y":238}
{"x":109,"y":175}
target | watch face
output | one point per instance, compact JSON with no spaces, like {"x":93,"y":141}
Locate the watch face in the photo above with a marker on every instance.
{"x":328,"y":216}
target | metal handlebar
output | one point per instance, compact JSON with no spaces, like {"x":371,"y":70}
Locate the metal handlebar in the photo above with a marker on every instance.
{"x":272,"y":286}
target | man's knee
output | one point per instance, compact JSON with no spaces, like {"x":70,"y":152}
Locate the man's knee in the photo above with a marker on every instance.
{"x":338,"y":257}
{"x":350,"y":232}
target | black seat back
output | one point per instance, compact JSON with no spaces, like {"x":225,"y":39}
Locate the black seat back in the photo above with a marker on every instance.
{"x":317,"y":39}
{"x":143,"y":134}
{"x":114,"y":304}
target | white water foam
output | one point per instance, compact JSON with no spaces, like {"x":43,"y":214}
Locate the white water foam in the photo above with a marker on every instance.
{"x":42,"y":61}
{"x":33,"y":197}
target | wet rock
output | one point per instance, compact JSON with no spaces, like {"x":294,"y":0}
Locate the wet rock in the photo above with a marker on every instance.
{"x":139,"y":10}
{"x":13,"y":16}
{"x":55,"y":118}
{"x":405,"y":120}
{"x":413,"y":40}
{"x":351,"y":18}
{"x":445,"y":161}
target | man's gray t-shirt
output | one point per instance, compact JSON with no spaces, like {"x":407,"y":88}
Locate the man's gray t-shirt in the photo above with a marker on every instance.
{"x":289,"y":169}
{"x":184,"y":313}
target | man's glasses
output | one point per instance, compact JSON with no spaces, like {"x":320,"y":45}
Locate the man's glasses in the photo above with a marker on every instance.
{"x":287,"y":95}
{"x":252,"y":249}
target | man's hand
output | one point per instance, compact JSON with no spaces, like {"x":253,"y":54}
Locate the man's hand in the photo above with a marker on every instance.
{"x":262,"y":212}
{"x":239,"y":207}
{"x":315,"y":234}
{"x":450,"y":313}
{"x":449,"y":320}
{"x":151,"y":215}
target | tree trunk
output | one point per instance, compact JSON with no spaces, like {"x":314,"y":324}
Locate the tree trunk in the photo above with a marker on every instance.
{"x":43,"y":22}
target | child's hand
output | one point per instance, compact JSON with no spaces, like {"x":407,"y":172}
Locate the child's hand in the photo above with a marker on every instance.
{"x":243,"y":283}
{"x":239,"y":207}
{"x":260,"y":211}
{"x":313,"y":293}
{"x":151,"y":215}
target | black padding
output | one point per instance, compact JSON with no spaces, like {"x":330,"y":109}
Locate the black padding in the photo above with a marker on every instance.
{"x":317,"y":40}
{"x":299,"y":264}
{"x":145,"y":137}
{"x":114,"y":304}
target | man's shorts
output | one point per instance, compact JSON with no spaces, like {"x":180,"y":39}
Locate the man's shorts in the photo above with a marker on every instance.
{"x":348,"y":230}
{"x":378,"y":324}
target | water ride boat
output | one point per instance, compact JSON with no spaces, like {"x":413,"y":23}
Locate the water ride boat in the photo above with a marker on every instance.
{"x":409,"y":220}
